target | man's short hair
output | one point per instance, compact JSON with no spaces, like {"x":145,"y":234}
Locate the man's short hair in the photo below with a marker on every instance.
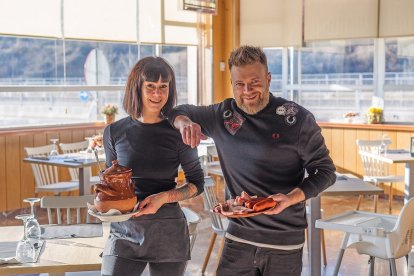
{"x":245,"y":55}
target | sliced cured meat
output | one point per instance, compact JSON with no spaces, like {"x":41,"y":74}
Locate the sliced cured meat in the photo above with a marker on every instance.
{"x":264,"y":204}
{"x":229,"y":209}
{"x":253,"y":201}
{"x":241,"y":210}
{"x":245,"y":196}
{"x":244,"y":205}
{"x":239,"y":201}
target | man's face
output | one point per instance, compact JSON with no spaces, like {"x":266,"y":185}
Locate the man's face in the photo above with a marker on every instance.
{"x":250,"y":87}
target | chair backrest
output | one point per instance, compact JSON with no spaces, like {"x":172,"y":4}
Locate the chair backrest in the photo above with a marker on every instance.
{"x":402,"y":235}
{"x":44,"y":174}
{"x":193,"y":219}
{"x":73,"y":148}
{"x":66,"y":202}
{"x":211,"y":201}
{"x":372,"y":166}
{"x":212,"y":154}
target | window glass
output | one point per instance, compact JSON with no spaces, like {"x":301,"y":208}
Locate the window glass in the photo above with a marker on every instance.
{"x":101,"y":63}
{"x":33,"y":61}
{"x":177,"y":57}
{"x":335,"y":77}
{"x":30,"y":61}
{"x":146,"y":50}
{"x":399,"y":80}
{"x":274,"y":64}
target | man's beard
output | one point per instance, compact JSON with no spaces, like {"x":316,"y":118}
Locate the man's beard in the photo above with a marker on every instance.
{"x":257,"y":107}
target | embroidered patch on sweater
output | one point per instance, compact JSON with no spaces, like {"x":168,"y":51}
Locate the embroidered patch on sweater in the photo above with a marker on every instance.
{"x":289,"y":110}
{"x":233,"y":121}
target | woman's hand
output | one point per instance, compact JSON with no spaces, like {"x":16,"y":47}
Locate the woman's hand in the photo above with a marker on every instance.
{"x":151,"y":204}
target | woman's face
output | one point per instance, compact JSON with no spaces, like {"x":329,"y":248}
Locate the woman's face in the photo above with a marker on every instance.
{"x":154,"y":96}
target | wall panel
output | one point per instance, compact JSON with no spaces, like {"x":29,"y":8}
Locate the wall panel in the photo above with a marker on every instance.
{"x":27,"y":181}
{"x":3,"y":190}
{"x":16,"y":177}
{"x":350,"y":156}
{"x":341,"y":142}
{"x":337,"y":150}
{"x":13,"y":163}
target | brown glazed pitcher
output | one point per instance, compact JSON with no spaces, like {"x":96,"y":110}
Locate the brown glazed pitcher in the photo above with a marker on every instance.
{"x":116,"y":190}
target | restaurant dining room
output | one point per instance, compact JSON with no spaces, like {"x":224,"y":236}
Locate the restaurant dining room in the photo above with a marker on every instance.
{"x":207,"y":137}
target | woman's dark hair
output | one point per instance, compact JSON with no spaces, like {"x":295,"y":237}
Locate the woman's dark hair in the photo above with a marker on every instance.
{"x":148,"y":69}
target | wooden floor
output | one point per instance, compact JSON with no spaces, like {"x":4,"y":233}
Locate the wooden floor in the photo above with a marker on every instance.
{"x":353,"y":264}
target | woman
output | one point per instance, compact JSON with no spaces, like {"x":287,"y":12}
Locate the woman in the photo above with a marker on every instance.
{"x":153,"y":149}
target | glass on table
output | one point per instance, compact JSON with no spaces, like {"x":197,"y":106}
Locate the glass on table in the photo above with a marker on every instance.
{"x":89,"y":154}
{"x":383,"y":148}
{"x":25,"y":251}
{"x":54,"y":151}
{"x":33,"y":230}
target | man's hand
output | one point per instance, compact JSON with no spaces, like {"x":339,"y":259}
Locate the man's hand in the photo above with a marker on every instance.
{"x":284,"y":201}
{"x":190,"y":131}
{"x":151,"y":204}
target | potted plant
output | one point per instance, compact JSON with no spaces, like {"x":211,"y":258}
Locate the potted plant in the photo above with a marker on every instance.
{"x":374,"y":115}
{"x":109,"y":110}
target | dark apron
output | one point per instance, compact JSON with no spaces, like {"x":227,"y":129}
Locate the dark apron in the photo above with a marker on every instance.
{"x":161,"y":237}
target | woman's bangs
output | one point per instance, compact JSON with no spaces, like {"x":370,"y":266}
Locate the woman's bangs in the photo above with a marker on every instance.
{"x":153,"y":72}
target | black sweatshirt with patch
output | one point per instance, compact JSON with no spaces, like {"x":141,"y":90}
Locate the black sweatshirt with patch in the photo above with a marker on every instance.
{"x":264,"y":154}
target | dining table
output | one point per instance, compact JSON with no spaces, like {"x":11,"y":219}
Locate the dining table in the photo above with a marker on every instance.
{"x":345,"y":185}
{"x":398,"y":156}
{"x":59,"y":255}
{"x":71,"y":160}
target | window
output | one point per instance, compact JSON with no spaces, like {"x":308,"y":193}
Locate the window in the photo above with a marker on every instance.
{"x":399,"y":80}
{"x":62,"y":72}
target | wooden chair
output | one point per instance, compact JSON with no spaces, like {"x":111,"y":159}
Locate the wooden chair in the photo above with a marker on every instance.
{"x":67,"y":202}
{"x":218,"y":225}
{"x":75,"y":148}
{"x":46,"y":176}
{"x":376,"y":171}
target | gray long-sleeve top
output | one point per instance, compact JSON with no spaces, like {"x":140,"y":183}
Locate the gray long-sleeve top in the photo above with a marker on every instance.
{"x":264,"y":154}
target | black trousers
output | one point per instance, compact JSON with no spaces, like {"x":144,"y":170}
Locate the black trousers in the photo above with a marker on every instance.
{"x":113,"y":265}
{"x":247,"y":260}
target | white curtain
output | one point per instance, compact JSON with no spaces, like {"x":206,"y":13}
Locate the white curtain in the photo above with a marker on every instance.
{"x":271,"y":23}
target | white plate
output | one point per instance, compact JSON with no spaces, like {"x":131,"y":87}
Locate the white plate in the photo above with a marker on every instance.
{"x":114,"y":217}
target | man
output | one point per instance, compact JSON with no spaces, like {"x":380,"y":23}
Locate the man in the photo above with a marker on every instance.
{"x":264,"y":144}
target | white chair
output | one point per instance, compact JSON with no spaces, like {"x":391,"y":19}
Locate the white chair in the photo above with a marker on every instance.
{"x":376,"y":171}
{"x":46,"y":176}
{"x":75,"y":148}
{"x":212,"y":154}
{"x":67,"y":202}
{"x":386,"y":237}
{"x":218,"y":224}
{"x":193,"y":219}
